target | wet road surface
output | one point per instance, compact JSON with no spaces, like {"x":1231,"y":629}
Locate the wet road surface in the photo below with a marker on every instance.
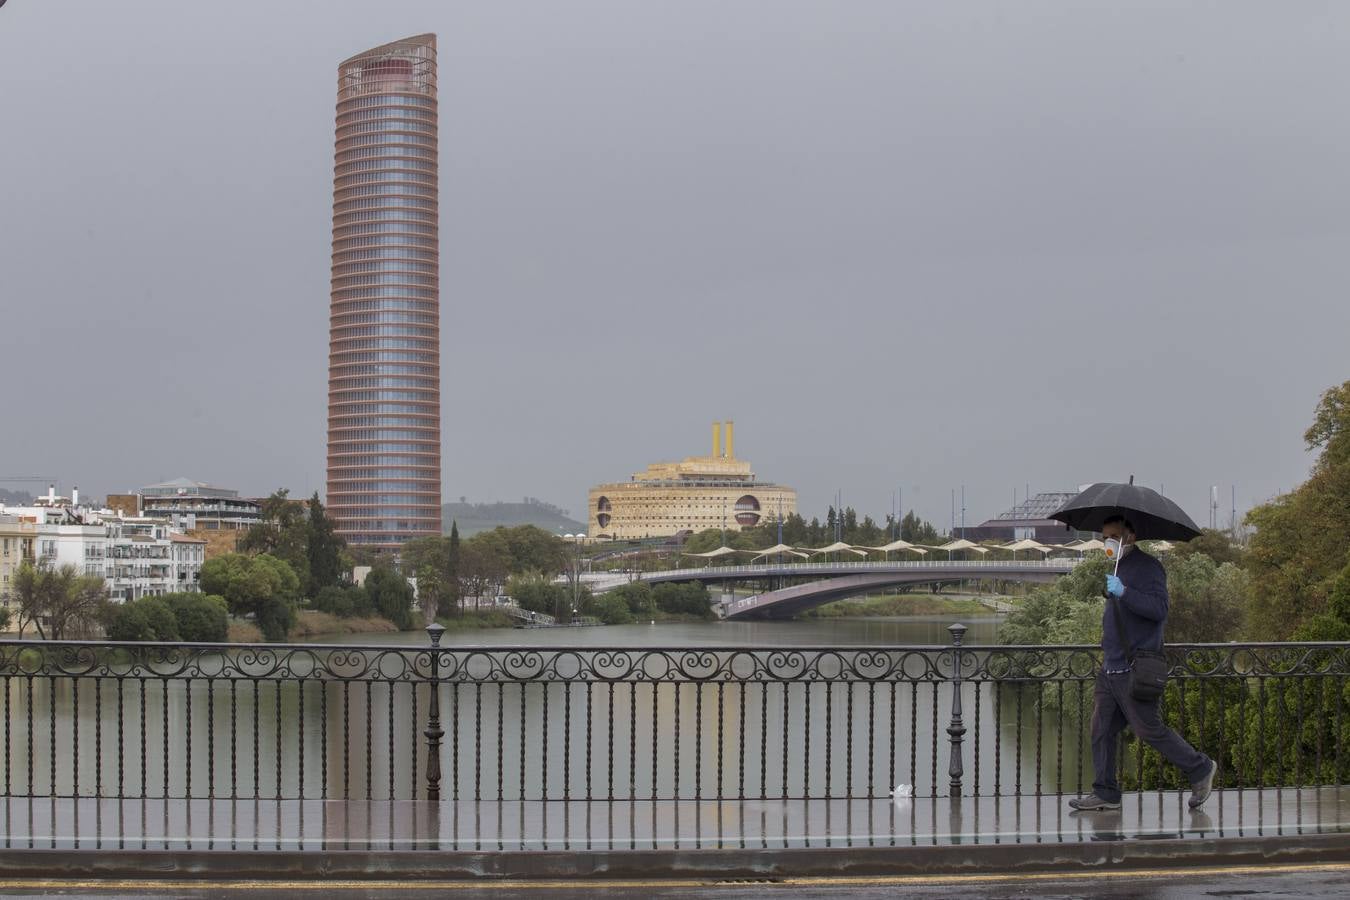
{"x":1310,"y":881}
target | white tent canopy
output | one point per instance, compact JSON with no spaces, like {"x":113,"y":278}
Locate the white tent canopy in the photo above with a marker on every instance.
{"x":1093,"y":544}
{"x":839,"y":547}
{"x":720,"y":551}
{"x":778,"y":548}
{"x":897,"y":545}
{"x":961,"y":544}
{"x":1025,"y":544}
{"x":1028,"y":544}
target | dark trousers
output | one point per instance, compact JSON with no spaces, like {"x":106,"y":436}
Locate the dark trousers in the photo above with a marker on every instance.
{"x":1112,"y":709}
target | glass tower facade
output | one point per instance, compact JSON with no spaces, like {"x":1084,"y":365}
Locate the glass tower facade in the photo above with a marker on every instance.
{"x":384,"y":402}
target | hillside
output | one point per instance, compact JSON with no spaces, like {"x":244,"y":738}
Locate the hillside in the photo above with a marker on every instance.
{"x":476,"y":517}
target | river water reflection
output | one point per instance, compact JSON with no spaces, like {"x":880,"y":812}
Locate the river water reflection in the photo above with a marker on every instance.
{"x":353,"y":728}
{"x":898,"y":631}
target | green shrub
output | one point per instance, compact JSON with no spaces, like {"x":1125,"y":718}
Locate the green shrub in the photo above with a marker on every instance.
{"x":202,"y":618}
{"x":611,"y":610}
{"x":690,"y":598}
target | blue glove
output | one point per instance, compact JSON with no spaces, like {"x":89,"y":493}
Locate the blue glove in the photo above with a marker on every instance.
{"x":1114,"y":587}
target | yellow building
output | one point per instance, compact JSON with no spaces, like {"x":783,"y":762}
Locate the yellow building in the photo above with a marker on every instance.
{"x":716,"y":491}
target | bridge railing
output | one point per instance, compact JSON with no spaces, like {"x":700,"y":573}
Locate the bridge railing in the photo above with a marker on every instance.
{"x":563,"y":723}
{"x":1055,"y":565}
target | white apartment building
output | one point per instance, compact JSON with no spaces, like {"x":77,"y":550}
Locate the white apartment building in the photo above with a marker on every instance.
{"x":136,"y":556}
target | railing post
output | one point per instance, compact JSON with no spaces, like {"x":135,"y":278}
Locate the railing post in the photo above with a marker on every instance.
{"x":956,"y":730}
{"x":434,"y":732}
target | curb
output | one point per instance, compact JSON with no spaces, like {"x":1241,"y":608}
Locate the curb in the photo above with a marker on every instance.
{"x":692,"y":864}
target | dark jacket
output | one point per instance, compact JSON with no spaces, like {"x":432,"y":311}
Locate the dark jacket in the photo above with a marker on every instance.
{"x":1143,"y":610}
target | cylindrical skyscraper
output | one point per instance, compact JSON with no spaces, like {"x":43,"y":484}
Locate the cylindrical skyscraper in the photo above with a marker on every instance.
{"x":384,"y":401}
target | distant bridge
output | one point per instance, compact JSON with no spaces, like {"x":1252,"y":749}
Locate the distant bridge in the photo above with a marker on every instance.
{"x":834,"y":581}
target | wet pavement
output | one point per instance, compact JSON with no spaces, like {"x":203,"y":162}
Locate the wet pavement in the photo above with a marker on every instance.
{"x":488,"y":826}
{"x":1324,"y":881}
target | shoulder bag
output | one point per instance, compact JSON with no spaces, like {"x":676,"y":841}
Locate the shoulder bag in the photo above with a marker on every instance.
{"x":1148,"y":668}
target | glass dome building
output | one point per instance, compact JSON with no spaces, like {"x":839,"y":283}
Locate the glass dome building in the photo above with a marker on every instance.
{"x":384,"y":419}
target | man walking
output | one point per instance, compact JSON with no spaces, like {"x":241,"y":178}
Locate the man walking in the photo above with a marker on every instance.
{"x":1138,"y":591}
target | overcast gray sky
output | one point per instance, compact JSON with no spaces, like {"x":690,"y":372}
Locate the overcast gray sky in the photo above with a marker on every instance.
{"x":917,"y":244}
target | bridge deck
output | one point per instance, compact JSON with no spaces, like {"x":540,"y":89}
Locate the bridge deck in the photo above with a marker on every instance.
{"x":95,"y":826}
{"x":932,"y":569}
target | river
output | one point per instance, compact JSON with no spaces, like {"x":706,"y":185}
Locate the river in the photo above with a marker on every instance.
{"x":830,"y":632}
{"x":136,"y":733}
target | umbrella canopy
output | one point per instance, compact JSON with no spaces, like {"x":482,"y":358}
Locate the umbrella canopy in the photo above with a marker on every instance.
{"x":1153,"y":515}
{"x":1084,"y":546}
{"x":1025,"y":544}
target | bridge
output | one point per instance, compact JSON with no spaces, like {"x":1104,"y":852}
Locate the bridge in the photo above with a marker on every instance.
{"x":829,"y":581}
{"x":440,"y":764}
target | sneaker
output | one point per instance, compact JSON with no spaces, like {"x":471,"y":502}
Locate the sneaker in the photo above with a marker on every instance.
{"x":1092,"y":801}
{"x":1201,"y":789}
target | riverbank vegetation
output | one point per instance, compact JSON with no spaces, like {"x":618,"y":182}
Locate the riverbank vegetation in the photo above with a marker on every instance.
{"x":474,"y":620}
{"x":899,"y":605}
{"x":310,"y":623}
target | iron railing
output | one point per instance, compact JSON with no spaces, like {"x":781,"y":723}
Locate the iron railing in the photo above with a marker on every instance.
{"x":158,"y":721}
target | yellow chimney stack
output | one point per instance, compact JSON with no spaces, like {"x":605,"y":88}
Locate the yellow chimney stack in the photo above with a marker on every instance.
{"x":717,"y":439}
{"x":731,"y":439}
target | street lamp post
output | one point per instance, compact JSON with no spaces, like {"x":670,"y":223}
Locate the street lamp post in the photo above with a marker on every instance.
{"x":576,"y":540}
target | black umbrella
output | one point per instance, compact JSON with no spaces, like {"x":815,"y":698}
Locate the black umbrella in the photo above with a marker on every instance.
{"x":1155,"y":518}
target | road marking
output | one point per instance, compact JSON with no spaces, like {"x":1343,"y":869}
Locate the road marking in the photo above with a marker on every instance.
{"x":483,"y":883}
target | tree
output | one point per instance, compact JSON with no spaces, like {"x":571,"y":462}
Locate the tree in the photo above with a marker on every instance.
{"x":344,"y":601}
{"x":161,"y":618}
{"x":282,"y":532}
{"x":60,"y":602}
{"x":391,"y":596}
{"x":867,"y":533}
{"x":1334,"y":624}
{"x":918,"y":531}
{"x":428,"y":560}
{"x":794,"y":530}
{"x":129,"y":622}
{"x":637,"y":596}
{"x":1208,"y":602}
{"x":610,"y":610}
{"x":532,"y":549}
{"x":262,"y":586}
{"x":202,"y":618}
{"x":170,"y":617}
{"x":536,"y":593}
{"x":1298,"y":549}
{"x":483,"y":562}
{"x":687,"y":598}
{"x":452,"y":593}
{"x":323,"y":547}
{"x":1215,"y":544}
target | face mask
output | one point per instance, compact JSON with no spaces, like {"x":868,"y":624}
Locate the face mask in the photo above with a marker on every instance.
{"x":1113,"y":548}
